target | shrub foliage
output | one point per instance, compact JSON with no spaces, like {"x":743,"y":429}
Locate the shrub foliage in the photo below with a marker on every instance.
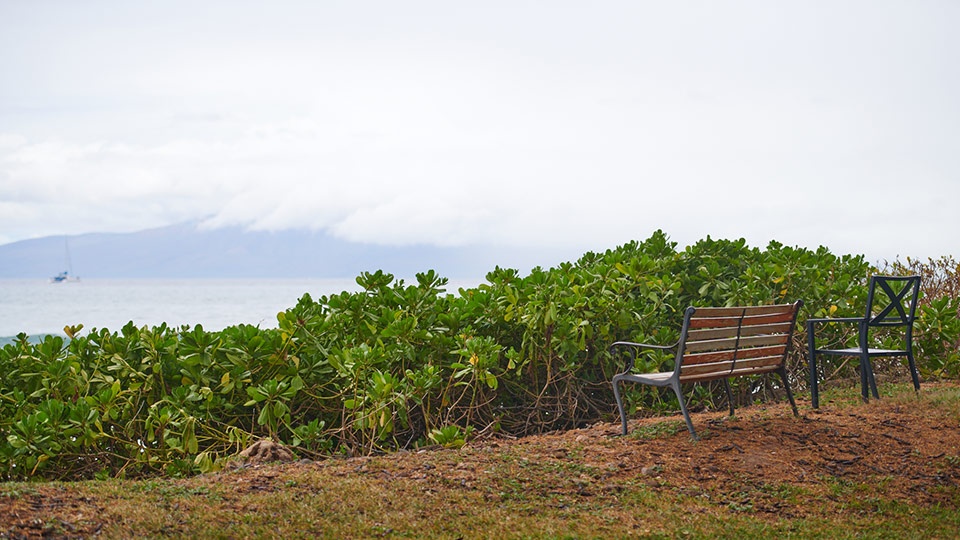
{"x":400,"y":365}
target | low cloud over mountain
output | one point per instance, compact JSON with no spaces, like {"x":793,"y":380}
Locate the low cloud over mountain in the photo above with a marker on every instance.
{"x":189,"y":251}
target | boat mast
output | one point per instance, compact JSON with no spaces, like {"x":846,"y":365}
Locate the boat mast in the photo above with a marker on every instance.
{"x":66,"y":250}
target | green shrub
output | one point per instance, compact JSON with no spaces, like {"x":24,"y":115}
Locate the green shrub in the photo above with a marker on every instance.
{"x":397,"y":365}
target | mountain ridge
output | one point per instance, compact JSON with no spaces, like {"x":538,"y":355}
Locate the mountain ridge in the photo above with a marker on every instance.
{"x":186,"y":250}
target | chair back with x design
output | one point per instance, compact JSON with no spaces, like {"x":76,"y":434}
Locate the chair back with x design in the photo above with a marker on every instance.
{"x":896,"y":304}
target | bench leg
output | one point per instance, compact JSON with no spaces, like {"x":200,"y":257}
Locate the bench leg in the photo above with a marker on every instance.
{"x":726,"y":384}
{"x":786,"y":385}
{"x":616,"y":395}
{"x":683,"y":408}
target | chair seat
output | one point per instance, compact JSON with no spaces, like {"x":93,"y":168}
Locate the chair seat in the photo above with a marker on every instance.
{"x":856,"y":351}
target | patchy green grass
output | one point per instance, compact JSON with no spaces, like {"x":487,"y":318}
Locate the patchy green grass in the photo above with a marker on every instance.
{"x":659,"y":429}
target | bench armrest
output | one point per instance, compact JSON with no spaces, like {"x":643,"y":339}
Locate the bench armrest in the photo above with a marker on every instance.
{"x":634,"y":347}
{"x":641,"y":345}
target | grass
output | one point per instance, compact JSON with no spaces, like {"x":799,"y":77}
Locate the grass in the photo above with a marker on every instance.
{"x":659,"y":429}
{"x":552,"y":487}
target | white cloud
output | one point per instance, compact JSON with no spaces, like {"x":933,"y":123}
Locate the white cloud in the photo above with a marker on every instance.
{"x":520,"y":123}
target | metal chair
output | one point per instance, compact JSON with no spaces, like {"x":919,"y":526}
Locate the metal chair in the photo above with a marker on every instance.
{"x":901,"y":292}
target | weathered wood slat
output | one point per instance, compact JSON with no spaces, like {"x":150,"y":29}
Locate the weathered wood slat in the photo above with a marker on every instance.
{"x":715,"y":333}
{"x":721,"y":322}
{"x":754,"y":370}
{"x":714,"y":322}
{"x":777,"y":328}
{"x":738,"y":311}
{"x":723,"y":368}
{"x":753,"y":320}
{"x":737,"y":372}
{"x":720,"y":356}
{"x":731,"y":342}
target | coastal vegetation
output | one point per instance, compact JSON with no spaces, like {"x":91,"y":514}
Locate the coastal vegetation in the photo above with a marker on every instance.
{"x":408,"y":365}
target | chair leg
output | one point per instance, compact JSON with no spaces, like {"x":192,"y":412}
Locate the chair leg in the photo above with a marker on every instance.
{"x":872,"y":379}
{"x":786,"y":385}
{"x":864,"y":381}
{"x":812,"y":350}
{"x":726,"y":384}
{"x":913,"y":372}
{"x":683,"y":408}
{"x":616,"y":395}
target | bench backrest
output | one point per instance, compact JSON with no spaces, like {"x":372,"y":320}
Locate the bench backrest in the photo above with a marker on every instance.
{"x":717,"y":343}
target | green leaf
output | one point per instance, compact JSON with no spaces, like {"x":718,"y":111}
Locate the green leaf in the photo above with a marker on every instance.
{"x":257,"y":393}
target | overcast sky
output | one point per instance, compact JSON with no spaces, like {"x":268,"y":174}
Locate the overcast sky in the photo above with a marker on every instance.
{"x":562,"y":124}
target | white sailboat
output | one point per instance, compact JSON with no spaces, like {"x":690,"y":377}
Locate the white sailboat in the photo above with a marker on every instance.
{"x":67,"y":275}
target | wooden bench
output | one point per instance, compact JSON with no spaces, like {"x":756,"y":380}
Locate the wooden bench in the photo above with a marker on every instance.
{"x":718,"y":343}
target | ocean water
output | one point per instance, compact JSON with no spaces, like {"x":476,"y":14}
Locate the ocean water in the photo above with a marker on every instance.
{"x":38,"y":307}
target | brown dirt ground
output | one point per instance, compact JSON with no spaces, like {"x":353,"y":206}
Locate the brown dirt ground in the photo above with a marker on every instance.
{"x":763,"y":445}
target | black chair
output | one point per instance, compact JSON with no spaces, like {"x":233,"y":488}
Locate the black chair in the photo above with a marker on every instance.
{"x":895,"y":298}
